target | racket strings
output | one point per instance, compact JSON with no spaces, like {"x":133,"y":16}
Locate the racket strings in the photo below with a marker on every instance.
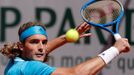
{"x":102,"y":12}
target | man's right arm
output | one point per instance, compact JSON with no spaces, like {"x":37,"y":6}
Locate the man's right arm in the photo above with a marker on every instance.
{"x":94,"y":65}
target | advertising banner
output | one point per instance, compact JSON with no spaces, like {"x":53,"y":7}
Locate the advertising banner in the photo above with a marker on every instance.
{"x":59,"y":16}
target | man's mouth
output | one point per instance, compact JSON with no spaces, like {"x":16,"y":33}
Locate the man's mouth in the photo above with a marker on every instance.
{"x":39,"y":54}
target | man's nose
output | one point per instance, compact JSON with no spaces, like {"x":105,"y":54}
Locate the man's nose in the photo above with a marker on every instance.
{"x":40,"y":47}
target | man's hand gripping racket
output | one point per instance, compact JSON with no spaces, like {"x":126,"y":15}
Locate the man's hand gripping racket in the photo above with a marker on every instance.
{"x":103,"y":13}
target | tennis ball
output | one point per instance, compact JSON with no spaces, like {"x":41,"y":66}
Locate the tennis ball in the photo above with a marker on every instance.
{"x":72,"y":35}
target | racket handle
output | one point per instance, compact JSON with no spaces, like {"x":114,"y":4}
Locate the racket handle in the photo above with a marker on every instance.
{"x":117,"y":36}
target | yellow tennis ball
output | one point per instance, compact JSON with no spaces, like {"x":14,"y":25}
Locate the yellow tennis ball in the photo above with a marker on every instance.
{"x":72,"y":35}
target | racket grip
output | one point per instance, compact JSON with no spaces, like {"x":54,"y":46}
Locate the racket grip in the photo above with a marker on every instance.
{"x":117,"y":36}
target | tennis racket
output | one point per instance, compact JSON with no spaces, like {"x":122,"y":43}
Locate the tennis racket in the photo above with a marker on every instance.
{"x":102,"y":14}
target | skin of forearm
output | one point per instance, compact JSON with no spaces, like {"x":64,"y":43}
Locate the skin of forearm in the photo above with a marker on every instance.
{"x":90,"y":67}
{"x":55,"y":43}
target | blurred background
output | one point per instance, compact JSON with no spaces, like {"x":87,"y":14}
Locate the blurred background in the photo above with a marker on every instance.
{"x":59,"y":16}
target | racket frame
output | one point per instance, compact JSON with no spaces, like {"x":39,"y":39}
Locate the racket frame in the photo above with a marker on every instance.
{"x":103,"y":26}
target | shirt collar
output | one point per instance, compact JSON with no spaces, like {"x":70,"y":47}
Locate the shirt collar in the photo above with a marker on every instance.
{"x":18,"y":59}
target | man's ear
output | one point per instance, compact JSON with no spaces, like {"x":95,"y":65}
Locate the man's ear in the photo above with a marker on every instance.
{"x":20,"y":45}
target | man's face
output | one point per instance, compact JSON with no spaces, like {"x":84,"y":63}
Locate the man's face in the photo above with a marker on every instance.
{"x":35,"y":47}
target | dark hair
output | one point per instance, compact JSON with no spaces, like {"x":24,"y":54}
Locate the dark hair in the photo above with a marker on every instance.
{"x":11,"y":50}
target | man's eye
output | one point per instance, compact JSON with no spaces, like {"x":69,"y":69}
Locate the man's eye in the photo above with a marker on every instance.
{"x":34,"y":41}
{"x":44,"y":42}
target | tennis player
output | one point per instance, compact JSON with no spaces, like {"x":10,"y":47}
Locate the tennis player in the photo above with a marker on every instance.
{"x":28,"y":56}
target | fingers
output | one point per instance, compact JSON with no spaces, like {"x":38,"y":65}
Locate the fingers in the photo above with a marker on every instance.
{"x":127,"y":46}
{"x":81,"y":25}
{"x":83,"y":28}
{"x":122,"y":45}
{"x":85,"y":35}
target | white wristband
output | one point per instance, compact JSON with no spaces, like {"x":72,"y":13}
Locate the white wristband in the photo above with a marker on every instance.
{"x":109,"y":54}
